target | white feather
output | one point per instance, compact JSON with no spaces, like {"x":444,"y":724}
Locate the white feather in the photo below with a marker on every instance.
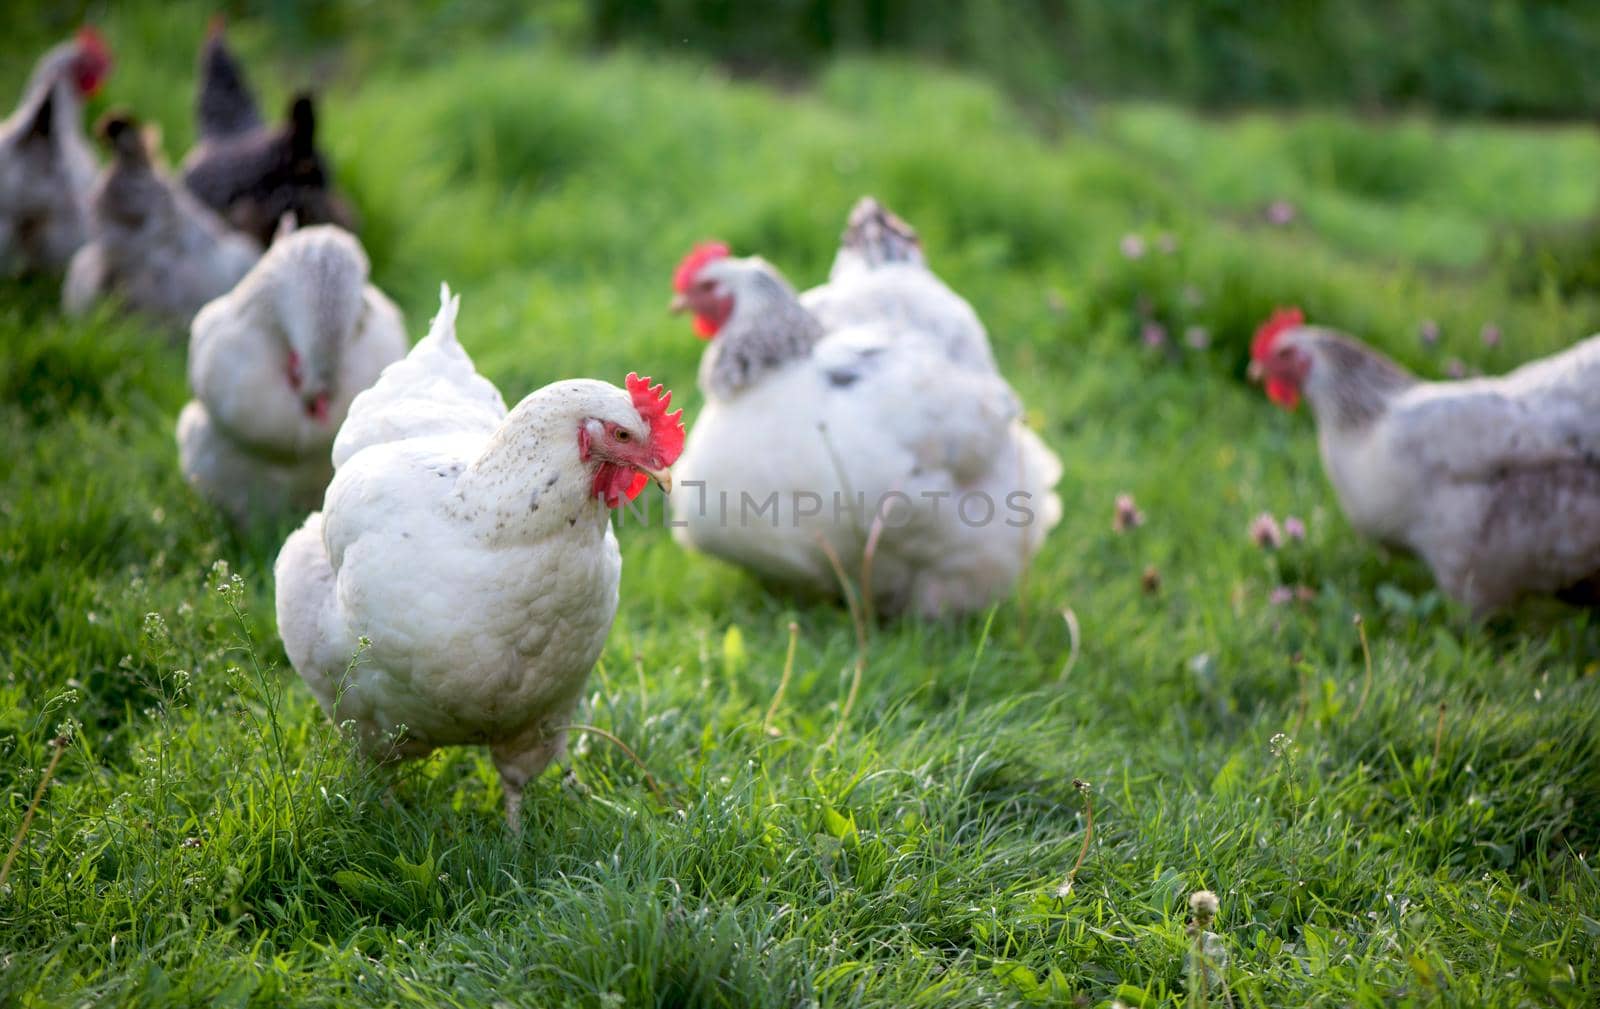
{"x":275,"y":457}
{"x":466,"y":544}
{"x":899,"y":409}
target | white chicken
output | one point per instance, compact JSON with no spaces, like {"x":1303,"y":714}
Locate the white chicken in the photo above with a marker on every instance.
{"x":46,"y":166}
{"x":472,"y":549}
{"x":880,"y":277}
{"x":866,"y":411}
{"x":274,"y":365}
{"x":152,"y":245}
{"x":1493,"y":482}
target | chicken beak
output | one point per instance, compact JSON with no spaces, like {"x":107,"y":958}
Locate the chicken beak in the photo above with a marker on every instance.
{"x":1256,"y":372}
{"x":678,"y":304}
{"x":662,"y":477}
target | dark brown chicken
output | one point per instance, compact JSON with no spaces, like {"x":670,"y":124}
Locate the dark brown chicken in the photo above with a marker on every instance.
{"x":250,"y":173}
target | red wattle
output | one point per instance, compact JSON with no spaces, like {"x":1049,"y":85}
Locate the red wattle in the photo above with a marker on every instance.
{"x":1283,"y":393}
{"x":613,"y":484}
{"x":704,"y":328}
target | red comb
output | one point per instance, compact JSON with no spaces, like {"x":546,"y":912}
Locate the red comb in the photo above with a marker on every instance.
{"x":1267,"y":333}
{"x":690,"y":265}
{"x":93,"y":61}
{"x":93,"y":42}
{"x":666,"y":429}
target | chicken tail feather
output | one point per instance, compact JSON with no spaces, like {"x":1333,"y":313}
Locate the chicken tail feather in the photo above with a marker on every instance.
{"x":876,"y":236}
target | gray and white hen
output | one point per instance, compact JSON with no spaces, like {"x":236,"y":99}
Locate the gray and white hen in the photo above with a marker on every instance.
{"x":46,"y":166}
{"x":152,"y":244}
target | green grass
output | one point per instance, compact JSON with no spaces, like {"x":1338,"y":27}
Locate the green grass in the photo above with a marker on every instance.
{"x":1425,"y":839}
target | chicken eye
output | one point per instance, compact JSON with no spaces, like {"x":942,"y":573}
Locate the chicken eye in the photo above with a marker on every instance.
{"x":622,"y":434}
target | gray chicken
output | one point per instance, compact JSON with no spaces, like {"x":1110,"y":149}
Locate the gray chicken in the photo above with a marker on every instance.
{"x":152,"y":244}
{"x":46,"y":166}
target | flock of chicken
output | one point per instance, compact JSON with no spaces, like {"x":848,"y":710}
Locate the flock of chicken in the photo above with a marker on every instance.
{"x":460,"y":578}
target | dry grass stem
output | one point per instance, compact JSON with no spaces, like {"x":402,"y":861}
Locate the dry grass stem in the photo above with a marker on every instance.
{"x":1088,"y":835}
{"x":783,"y":681}
{"x":59,"y":745}
{"x":649,"y":779}
{"x":1076,"y":638}
{"x":1366,"y":656}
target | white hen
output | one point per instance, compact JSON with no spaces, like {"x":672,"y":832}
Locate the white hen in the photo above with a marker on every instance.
{"x":1494,"y":482}
{"x":152,"y":245}
{"x":880,"y":277}
{"x":473,"y":549}
{"x":894,"y":421}
{"x":46,"y":166}
{"x":274,"y":365}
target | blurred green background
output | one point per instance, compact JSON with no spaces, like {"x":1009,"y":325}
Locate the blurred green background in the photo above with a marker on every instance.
{"x":1479,"y":57}
{"x":1462,"y":56}
{"x":1456,"y":56}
